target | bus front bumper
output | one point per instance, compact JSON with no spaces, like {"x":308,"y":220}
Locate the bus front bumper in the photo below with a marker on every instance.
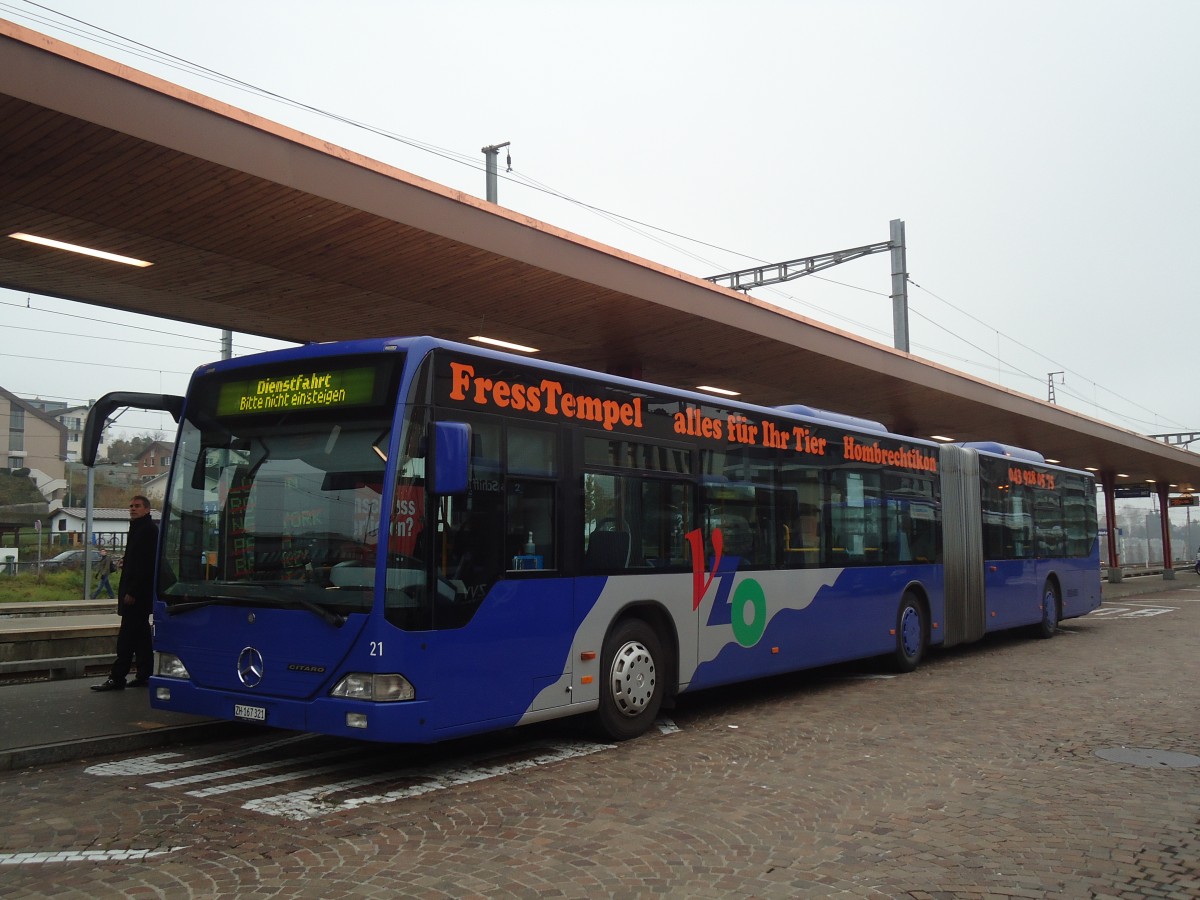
{"x":400,"y":722}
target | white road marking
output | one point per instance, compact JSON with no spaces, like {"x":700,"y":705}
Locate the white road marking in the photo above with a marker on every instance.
{"x":246,"y":770}
{"x":152,"y":765}
{"x":61,"y":856}
{"x":321,"y":799}
{"x":1138,"y":611}
{"x":289,"y":775}
{"x":312,"y":802}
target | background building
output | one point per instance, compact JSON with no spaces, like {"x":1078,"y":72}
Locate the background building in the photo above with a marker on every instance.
{"x":71,"y":418}
{"x":34,"y":440}
{"x":110,"y":527}
{"x":155,"y":460}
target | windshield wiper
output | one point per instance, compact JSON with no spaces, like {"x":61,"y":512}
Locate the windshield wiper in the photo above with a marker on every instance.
{"x":337,"y":620}
{"x":174,"y":609}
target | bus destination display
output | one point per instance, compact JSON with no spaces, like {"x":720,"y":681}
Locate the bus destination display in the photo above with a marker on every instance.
{"x":313,"y":389}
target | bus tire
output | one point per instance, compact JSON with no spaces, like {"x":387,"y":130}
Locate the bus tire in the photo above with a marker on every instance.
{"x":631,"y":690}
{"x":910,"y":633}
{"x":1050,"y":614}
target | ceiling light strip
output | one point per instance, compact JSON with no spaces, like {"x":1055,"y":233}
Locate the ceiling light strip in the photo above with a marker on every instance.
{"x":76,"y":248}
{"x":496,"y":342}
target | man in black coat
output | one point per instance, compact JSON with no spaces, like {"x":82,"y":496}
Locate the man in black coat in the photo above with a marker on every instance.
{"x":136,"y":600}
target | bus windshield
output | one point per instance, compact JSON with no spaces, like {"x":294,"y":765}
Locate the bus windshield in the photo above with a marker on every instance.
{"x":279,"y":508}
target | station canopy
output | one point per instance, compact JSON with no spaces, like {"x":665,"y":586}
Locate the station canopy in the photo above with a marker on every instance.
{"x":254,"y":227}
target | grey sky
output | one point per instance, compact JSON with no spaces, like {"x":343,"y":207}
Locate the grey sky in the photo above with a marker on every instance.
{"x":1042,"y":154}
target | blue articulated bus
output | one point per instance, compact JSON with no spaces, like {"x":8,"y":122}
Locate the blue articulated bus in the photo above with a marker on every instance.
{"x":412,"y":540}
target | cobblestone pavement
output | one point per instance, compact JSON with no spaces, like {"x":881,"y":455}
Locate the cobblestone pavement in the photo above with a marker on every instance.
{"x":1013,"y":768}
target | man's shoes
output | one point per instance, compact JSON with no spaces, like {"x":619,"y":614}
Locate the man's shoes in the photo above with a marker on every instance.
{"x":138,"y":682}
{"x":111,"y":685}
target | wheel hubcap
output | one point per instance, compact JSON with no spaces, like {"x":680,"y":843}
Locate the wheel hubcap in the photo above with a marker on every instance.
{"x":910,"y":631}
{"x":1050,"y":610}
{"x":633,"y":678}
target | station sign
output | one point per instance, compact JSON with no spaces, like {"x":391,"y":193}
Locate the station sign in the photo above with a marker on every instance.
{"x":1130,"y":493}
{"x":1188,"y":500}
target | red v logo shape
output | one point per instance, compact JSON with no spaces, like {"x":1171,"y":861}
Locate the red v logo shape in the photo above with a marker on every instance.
{"x":699,"y":582}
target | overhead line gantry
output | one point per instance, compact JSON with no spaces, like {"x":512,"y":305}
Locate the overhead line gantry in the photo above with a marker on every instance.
{"x":777,"y":273}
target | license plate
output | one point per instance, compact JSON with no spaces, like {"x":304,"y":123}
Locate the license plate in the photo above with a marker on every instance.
{"x":253,"y":713}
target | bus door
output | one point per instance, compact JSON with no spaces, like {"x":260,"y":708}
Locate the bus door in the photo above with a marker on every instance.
{"x":503,"y":617}
{"x":1079,"y":574}
{"x":1011,"y":583}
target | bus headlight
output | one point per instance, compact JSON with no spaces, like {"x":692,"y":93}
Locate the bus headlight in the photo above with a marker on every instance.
{"x":380,"y":688}
{"x":170,"y":666}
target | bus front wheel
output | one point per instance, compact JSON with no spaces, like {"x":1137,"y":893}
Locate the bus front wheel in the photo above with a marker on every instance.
{"x":910,"y":633}
{"x":631,"y":692}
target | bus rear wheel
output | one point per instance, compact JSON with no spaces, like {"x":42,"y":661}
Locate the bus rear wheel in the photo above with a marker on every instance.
{"x":910,"y":633}
{"x":1049,"y":623}
{"x":631,"y":690}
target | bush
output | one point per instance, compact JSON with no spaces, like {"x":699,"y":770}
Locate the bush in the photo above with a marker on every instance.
{"x":17,"y":487}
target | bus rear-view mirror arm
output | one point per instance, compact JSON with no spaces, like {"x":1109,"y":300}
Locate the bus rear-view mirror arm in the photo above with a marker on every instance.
{"x":98,"y":415}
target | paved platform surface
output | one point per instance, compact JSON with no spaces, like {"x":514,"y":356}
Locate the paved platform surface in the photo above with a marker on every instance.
{"x":53,"y":721}
{"x":1011,"y":768}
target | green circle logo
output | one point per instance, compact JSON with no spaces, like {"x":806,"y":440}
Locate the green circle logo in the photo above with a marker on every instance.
{"x":749,"y":619}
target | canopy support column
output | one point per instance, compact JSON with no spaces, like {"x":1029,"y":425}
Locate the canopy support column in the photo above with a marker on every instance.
{"x":1164,"y":513}
{"x":1110,"y":520}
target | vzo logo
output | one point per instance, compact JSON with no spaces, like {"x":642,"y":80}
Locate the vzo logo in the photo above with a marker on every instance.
{"x":746,"y":613}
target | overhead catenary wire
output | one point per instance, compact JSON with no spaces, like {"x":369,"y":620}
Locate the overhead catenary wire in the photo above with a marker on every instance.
{"x":206,"y":349}
{"x":106,"y":38}
{"x":1006,"y":368}
{"x":1050,"y":360}
{"x":124,"y":326}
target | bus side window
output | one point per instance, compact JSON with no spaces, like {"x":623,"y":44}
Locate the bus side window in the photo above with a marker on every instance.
{"x":637,"y":516}
{"x":531,"y":524}
{"x":803,"y":526}
{"x":802,"y":539}
{"x":857,"y":518}
{"x":531,"y":466}
{"x":924,"y":537}
{"x":470,"y":554}
{"x":606,"y":538}
{"x":1048,"y":523}
{"x":910,"y":524}
{"x":633,"y":522}
{"x":659,"y":532}
{"x":1079,"y":516}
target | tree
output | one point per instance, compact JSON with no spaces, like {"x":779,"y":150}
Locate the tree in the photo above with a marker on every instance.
{"x":110,"y":490}
{"x":128,"y":449}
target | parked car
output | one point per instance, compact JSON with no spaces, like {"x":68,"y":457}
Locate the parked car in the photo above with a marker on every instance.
{"x":70,"y":559}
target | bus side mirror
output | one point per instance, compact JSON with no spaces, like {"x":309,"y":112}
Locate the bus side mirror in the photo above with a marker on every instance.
{"x":451,"y":456}
{"x":93,"y":429}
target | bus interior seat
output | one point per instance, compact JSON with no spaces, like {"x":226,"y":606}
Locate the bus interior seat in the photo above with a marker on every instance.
{"x":607,"y":550}
{"x":739,"y":536}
